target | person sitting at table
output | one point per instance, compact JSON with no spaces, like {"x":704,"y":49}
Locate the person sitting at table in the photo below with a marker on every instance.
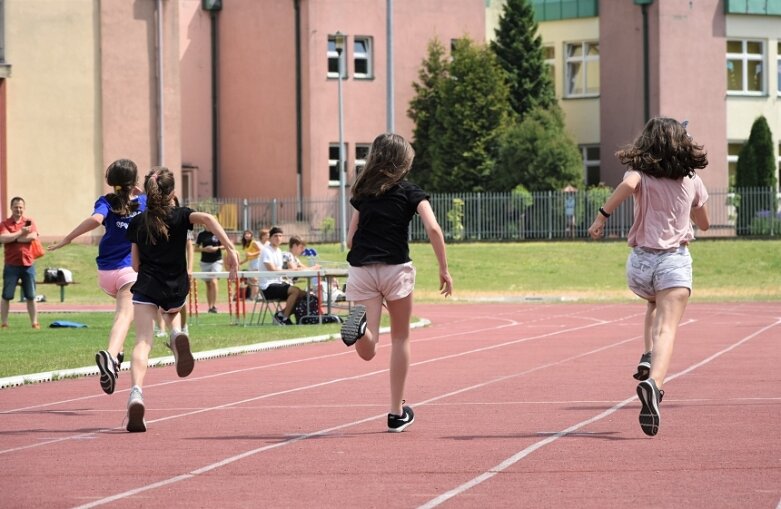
{"x":275,"y":288}
{"x":290,"y":258}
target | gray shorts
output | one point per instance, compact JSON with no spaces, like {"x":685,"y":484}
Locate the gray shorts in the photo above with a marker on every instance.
{"x":649,"y":270}
{"x":211,"y":267}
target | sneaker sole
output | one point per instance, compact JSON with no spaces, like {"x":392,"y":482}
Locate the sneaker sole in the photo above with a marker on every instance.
{"x":649,"y":413}
{"x":135,"y":418}
{"x":107,"y":376}
{"x":643,"y":370}
{"x":183,"y":358}
{"x":351,"y":328}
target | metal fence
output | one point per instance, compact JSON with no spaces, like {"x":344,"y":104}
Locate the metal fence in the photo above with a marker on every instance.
{"x":499,"y":216}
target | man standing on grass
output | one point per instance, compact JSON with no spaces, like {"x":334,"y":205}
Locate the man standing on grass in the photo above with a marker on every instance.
{"x":16,"y":233}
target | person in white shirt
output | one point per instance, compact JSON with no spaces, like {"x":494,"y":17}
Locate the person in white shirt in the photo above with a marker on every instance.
{"x":276,"y":288}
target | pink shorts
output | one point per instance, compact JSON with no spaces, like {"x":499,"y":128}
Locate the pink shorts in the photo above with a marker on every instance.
{"x":111,"y":281}
{"x":390,"y":282}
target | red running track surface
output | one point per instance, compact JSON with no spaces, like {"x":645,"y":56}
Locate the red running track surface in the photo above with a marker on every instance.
{"x":529,"y":405}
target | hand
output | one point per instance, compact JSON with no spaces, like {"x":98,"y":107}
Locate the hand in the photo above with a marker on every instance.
{"x":445,"y":284}
{"x":231,"y":262}
{"x":56,"y":245}
{"x":597,"y":228}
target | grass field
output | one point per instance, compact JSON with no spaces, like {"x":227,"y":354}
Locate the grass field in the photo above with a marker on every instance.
{"x":725,"y":270}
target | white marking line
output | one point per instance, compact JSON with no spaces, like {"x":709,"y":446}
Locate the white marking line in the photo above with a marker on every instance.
{"x":542,"y":443}
{"x":192,"y":379}
{"x":306,"y":387}
{"x":252,"y":452}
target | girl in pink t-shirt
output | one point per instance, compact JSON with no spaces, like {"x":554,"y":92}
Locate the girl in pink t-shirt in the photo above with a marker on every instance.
{"x":668,"y":196}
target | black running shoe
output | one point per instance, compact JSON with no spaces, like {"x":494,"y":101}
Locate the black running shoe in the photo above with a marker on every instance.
{"x":120,"y":357}
{"x":354,"y":327}
{"x":183,"y":357}
{"x":109,"y":371}
{"x":398,"y":423}
{"x":643,"y":367}
{"x":650,"y":396}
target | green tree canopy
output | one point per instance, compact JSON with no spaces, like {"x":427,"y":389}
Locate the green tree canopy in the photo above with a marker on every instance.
{"x":472,"y":112}
{"x":539,"y":154}
{"x":756,"y":169}
{"x":519,"y":51}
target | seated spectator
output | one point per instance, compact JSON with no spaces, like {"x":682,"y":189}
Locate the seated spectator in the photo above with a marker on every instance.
{"x":276,"y":288}
{"x":290,"y":259}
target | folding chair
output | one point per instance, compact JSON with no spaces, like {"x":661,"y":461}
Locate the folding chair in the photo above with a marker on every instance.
{"x":264,"y":307}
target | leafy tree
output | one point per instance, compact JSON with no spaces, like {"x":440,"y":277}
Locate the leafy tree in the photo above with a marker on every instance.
{"x":756,"y":169}
{"x":422,"y":111}
{"x":473,"y":112}
{"x":519,"y":51}
{"x":539,"y":154}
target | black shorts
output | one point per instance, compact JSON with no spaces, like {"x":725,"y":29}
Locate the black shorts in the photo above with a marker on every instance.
{"x":276,"y":291}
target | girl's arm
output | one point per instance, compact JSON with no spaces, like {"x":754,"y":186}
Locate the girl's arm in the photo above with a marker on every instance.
{"x":190,"y":253}
{"x":85,"y":226}
{"x":352,"y":229}
{"x":135,"y":259}
{"x":700,"y":217}
{"x":437,"y":240}
{"x":214,"y":226}
{"x":622,"y":192}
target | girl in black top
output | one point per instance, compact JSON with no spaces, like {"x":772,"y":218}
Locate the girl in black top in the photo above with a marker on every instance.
{"x":380,"y":266}
{"x":159,"y":237}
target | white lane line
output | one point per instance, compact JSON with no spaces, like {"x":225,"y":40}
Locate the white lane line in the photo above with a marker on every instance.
{"x":512,"y":460}
{"x":252,"y":452}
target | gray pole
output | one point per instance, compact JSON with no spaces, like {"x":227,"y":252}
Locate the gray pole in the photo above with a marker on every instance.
{"x":160,"y":88}
{"x":389,"y":89}
{"x":342,"y":204}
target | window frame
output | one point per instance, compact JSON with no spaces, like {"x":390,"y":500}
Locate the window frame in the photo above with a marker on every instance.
{"x":732,"y":161}
{"x":584,"y":60}
{"x":745,"y":58}
{"x":367,"y":55}
{"x":591,"y":163}
{"x":360,"y":162}
{"x":333,"y":54}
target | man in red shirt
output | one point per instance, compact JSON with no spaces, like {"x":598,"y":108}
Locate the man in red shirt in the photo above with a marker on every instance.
{"x":16,"y":233}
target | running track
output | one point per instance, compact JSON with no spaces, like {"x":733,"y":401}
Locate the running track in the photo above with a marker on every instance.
{"x":527,"y":405}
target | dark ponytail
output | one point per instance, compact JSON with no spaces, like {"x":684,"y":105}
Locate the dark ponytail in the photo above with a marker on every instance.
{"x":122,"y":175}
{"x":159,"y":187}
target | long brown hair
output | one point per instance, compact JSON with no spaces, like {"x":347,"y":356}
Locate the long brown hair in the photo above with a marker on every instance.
{"x":122,"y":175}
{"x":389,"y":161}
{"x":159,"y":187}
{"x":664,"y":150}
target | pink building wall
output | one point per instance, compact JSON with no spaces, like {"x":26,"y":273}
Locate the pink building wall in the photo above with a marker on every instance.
{"x":257,"y":85}
{"x":686,"y":63}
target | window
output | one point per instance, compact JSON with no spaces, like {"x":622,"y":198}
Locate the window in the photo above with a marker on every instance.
{"x":582,"y":69}
{"x":549,"y":55}
{"x":733,"y":150}
{"x":590,"y":155}
{"x":333,"y":59}
{"x":361,"y":151}
{"x":745,"y":60}
{"x":362,"y":57}
{"x":333,"y":164}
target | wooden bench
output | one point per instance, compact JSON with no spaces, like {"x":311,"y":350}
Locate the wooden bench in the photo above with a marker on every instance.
{"x":37,"y":283}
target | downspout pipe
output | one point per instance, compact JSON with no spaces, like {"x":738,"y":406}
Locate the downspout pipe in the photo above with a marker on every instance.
{"x":646,"y":66}
{"x":299,"y":113}
{"x":160,"y":88}
{"x":215,"y":104}
{"x":391,"y":112}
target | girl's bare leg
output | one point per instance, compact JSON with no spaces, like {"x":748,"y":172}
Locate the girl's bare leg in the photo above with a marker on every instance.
{"x":367,"y":345}
{"x":670,"y":305}
{"x":400,"y":312}
{"x":144,"y":317}
{"x":123,"y":317}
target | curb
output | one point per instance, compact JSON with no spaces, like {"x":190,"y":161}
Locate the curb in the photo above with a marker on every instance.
{"x":49,"y":376}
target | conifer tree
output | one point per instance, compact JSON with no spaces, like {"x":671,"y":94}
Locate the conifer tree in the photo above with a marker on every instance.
{"x":518,"y":48}
{"x":755,"y":176}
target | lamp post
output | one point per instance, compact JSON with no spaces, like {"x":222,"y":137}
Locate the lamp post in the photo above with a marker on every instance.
{"x":646,"y":77}
{"x":339,"y":42}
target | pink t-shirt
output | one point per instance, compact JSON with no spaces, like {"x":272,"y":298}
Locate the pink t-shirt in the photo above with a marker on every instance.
{"x":662,"y":211}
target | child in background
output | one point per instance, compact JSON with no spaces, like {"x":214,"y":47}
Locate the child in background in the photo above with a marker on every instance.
{"x":668,"y":196}
{"x":115,"y":273}
{"x":159,"y":237}
{"x":252,"y":250}
{"x":380,"y":267}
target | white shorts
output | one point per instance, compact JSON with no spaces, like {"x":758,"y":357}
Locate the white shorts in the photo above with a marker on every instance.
{"x":390,"y":282}
{"x":649,"y":271}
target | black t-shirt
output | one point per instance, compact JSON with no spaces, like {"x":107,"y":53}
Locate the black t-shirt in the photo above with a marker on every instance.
{"x":207,"y":238}
{"x":163,"y":271}
{"x":383,"y":225}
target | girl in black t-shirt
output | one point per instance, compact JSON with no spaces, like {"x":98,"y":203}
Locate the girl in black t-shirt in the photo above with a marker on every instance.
{"x":158,"y":249}
{"x":380,"y":266}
